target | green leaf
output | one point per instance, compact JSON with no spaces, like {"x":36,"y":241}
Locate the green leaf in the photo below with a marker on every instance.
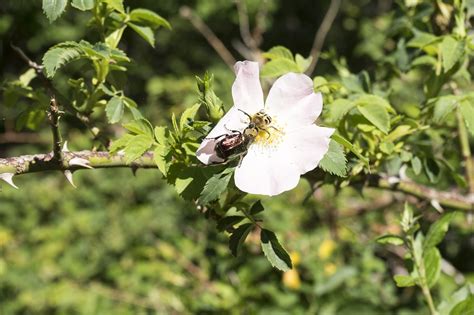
{"x":278,"y":67}
{"x":238,"y":237}
{"x":465,"y":307}
{"x":390,"y":239}
{"x":256,"y":208}
{"x":115,"y":4}
{"x":451,"y":52}
{"x":348,"y":145}
{"x":374,"y":109}
{"x":159,"y":156}
{"x":58,"y":56}
{"x":303,"y":63}
{"x":438,"y":230}
{"x":114,"y":109}
{"x":404,"y":281}
{"x":443,"y":106}
{"x":228,"y":222}
{"x":334,"y":161}
{"x":449,"y":302}
{"x":416,"y":165}
{"x":432,"y":262}
{"x":54,"y":8}
{"x":278,"y":52}
{"x":339,"y":108}
{"x":137,"y":145}
{"x":467,"y":111}
{"x":140,"y":127}
{"x":187,"y":115}
{"x":145,"y":32}
{"x":83,"y":5}
{"x":275,"y":253}
{"x":422,"y":39}
{"x":120,"y":143}
{"x":148,"y":18}
{"x":214,"y":187}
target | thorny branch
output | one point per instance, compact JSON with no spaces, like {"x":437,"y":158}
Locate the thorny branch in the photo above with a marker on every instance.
{"x":99,"y":159}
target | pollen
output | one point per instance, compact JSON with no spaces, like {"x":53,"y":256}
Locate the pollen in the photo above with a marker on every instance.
{"x":270,"y":136}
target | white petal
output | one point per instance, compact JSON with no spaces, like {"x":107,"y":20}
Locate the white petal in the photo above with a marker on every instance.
{"x":292,"y":100}
{"x":265,"y":172}
{"x":247,"y":91}
{"x":232,"y":120}
{"x":306,"y":146}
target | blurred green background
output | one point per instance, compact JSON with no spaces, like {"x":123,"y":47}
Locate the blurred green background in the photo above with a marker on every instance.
{"x":127,"y":244}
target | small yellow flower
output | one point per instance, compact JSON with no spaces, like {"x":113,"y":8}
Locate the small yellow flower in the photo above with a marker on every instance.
{"x":295,"y":258}
{"x":329,"y":269}
{"x":326,"y":249}
{"x":291,"y":279}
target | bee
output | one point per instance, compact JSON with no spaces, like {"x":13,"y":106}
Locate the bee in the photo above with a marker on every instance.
{"x":236,"y":143}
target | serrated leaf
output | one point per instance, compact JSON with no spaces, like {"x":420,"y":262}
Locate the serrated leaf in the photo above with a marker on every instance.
{"x":140,"y":127}
{"x":188,"y":114}
{"x":451,"y":52}
{"x":145,"y":32}
{"x":54,"y":8}
{"x":58,"y":56}
{"x":374,"y":109}
{"x":114,"y":109}
{"x":390,"y":239}
{"x":422,"y":39}
{"x":432,"y":263}
{"x":278,"y":67}
{"x":135,"y":148}
{"x":353,"y":148}
{"x":159,"y":156}
{"x":275,"y":253}
{"x":465,"y":307}
{"x":228,"y":222}
{"x":149,"y":18}
{"x":467,"y":111}
{"x":438,"y":230}
{"x":334,"y":161}
{"x":238,"y":237}
{"x":303,"y":63}
{"x":120,"y":143}
{"x":256,"y":208}
{"x":83,"y":5}
{"x":115,"y":4}
{"x":214,"y":187}
{"x":443,"y":106}
{"x":338,"y":109}
{"x":278,"y":52}
{"x":404,"y":281}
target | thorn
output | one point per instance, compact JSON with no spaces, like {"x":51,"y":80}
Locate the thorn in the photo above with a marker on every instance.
{"x":80,"y":162}
{"x":8,"y":178}
{"x":435,"y":203}
{"x":65,"y":148}
{"x":68,"y":175}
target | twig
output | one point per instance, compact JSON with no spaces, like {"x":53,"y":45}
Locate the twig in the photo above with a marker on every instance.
{"x":53,"y":116}
{"x":57,"y":95}
{"x":260,"y":26}
{"x":187,"y":13}
{"x":466,"y":150}
{"x":244,"y":24}
{"x":321,"y":34}
{"x":100,"y":159}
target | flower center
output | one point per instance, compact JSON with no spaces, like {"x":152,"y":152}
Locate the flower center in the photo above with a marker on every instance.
{"x":270,"y":136}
